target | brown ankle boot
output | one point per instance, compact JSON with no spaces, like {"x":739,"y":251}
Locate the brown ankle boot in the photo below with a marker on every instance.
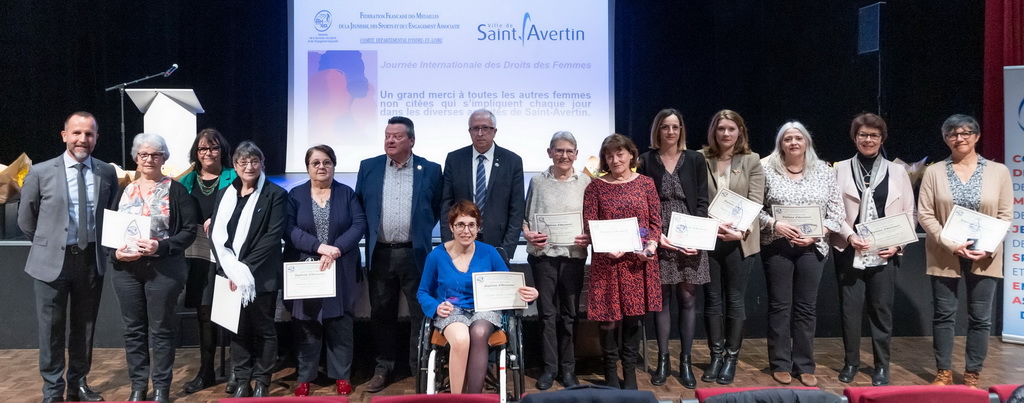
{"x":971,"y":379}
{"x":943,"y":378}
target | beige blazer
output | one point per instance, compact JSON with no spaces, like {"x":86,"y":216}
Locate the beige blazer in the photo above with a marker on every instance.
{"x":899,"y":200}
{"x":746,"y":179}
{"x":936,"y":201}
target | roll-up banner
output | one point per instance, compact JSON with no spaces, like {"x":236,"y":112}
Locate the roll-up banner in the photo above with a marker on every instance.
{"x":1013,"y":266}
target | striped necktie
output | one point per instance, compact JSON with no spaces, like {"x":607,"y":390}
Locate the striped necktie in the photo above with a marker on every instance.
{"x":481,"y":182}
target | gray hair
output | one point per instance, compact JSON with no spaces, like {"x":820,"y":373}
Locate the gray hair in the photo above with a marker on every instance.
{"x":957,"y":121}
{"x":247,"y":149}
{"x":777,"y":158}
{"x":152,"y":140}
{"x":494,"y":120}
{"x":562,"y":135}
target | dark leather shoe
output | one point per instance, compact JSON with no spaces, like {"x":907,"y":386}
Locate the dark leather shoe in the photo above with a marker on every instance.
{"x":54,"y":399}
{"x":242,"y":389}
{"x":881,"y":377}
{"x":200,"y":382}
{"x":83,"y":394}
{"x":161,"y":396}
{"x":231,"y":385}
{"x":376,"y":384}
{"x":261,"y":390}
{"x":545,"y":381}
{"x":569,"y":380}
{"x":847,"y":374}
{"x":137,"y":396}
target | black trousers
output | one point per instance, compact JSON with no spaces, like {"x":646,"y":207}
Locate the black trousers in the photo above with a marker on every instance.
{"x":337,"y":333}
{"x":981,"y":291}
{"x":393,"y":271}
{"x":254,"y":347}
{"x":792,"y":275}
{"x":148,"y":297}
{"x":726,"y":293}
{"x":559,"y":281}
{"x":872,"y":288}
{"x":79,"y":286}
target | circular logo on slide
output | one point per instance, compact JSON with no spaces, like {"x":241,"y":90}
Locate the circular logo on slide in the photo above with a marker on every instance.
{"x":322,"y":21}
{"x":1020,"y":114}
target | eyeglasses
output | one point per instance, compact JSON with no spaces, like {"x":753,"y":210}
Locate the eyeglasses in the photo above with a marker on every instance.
{"x":245,"y":163}
{"x":869,"y":136}
{"x":207,"y":150}
{"x":963,"y":135}
{"x":481,"y":129}
{"x":395,"y":137}
{"x":461,"y":226}
{"x":148,"y":156}
{"x":673,"y":128}
{"x":324,"y":163}
{"x":561,"y":151}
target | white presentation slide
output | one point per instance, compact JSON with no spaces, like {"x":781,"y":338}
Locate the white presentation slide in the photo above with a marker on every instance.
{"x":540,"y":66}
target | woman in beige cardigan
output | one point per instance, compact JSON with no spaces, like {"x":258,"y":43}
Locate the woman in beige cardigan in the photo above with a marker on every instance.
{"x":731,"y":165}
{"x":968,"y":180}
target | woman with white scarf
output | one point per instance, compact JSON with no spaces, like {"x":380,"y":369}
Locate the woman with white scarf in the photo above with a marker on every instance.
{"x":246,"y":231}
{"x":871,"y":188}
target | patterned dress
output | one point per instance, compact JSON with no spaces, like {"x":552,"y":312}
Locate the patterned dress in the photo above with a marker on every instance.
{"x":627,"y":286}
{"x":675,"y":266}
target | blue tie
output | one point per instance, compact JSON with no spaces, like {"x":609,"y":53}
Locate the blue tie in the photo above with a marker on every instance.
{"x":481,"y":182}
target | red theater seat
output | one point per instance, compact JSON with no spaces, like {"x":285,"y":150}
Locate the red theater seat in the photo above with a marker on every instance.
{"x":916,"y":394}
{"x":444,"y":397}
{"x":1003,"y":391}
{"x":704,"y":393}
{"x":286,"y":399}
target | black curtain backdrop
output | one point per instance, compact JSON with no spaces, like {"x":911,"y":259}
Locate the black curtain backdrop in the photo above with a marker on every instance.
{"x":772,"y":61}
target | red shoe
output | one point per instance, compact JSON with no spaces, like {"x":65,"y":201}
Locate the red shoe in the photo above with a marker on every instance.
{"x":344,"y":388}
{"x":302,"y":389}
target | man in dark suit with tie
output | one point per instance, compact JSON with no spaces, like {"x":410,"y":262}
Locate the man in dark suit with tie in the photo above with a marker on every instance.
{"x":61,"y":211}
{"x":401,"y":194}
{"x":491,"y":177}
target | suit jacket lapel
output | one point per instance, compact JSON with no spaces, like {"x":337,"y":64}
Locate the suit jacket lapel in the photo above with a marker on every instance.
{"x":734,"y":167}
{"x":495,"y":166}
{"x":63,"y":184}
{"x":417,"y":180}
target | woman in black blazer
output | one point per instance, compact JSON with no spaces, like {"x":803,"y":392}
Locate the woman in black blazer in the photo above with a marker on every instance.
{"x":681,"y":177}
{"x":149,"y":272}
{"x":252,"y":207}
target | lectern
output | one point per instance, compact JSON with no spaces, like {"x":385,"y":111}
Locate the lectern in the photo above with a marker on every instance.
{"x":171,"y":113}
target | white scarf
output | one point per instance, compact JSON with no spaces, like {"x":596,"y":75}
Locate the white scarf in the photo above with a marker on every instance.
{"x":868,"y":209}
{"x":238,"y":272}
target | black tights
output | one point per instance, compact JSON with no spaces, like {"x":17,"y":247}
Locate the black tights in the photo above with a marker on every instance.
{"x":687,"y":296}
{"x":476,"y":368}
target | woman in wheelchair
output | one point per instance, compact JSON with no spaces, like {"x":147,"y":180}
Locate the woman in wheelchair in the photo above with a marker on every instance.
{"x":446,"y":294}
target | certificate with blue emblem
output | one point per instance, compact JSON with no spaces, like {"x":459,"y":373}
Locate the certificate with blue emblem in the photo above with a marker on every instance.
{"x":730,"y":207}
{"x":807,"y":219}
{"x":304,"y":280}
{"x":687,"y":231}
{"x":964,"y":225}
{"x":884,"y":233}
{"x":498,"y":290}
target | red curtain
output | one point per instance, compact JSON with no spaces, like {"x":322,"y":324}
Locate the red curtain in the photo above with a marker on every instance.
{"x":1004,"y":46}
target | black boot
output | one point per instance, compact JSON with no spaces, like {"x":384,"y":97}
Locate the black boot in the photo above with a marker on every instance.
{"x":661,"y":371}
{"x":686,"y":372}
{"x":630,"y":350}
{"x":207,"y":350}
{"x":734,"y":340}
{"x":232,"y":383}
{"x":716,"y":343}
{"x":610,"y":351}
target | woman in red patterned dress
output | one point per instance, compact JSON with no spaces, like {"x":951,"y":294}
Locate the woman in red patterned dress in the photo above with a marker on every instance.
{"x":624,"y":286}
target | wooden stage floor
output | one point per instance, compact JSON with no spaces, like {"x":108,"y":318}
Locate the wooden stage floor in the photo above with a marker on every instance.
{"x":912,"y":365}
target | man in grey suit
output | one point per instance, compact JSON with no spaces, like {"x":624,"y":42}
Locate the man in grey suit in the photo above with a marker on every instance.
{"x":61,"y":211}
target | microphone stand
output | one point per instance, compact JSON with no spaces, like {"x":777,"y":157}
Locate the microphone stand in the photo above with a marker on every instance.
{"x":120,"y":87}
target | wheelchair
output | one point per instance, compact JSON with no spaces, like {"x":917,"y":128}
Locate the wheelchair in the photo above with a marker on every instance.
{"x":432,"y":359}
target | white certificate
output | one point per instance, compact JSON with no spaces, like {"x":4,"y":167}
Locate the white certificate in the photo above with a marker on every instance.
{"x":497,"y":290}
{"x":729,"y":206}
{"x":622,"y":235}
{"x":227,"y":304}
{"x":964,"y":224}
{"x":303,"y":280}
{"x":561,"y":228}
{"x":687,"y":231}
{"x":120,"y":229}
{"x":807,"y":219}
{"x":884,"y":233}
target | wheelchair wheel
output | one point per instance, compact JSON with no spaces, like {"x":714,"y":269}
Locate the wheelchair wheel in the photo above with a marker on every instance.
{"x":423,"y":355}
{"x":516,"y":362}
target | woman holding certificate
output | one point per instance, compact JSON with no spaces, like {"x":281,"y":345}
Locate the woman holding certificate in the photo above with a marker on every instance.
{"x":246,"y":229}
{"x":681,"y":179}
{"x":969,"y":181}
{"x":804,"y":205}
{"x":871,"y":188}
{"x":731,"y":165}
{"x":446,"y":294}
{"x":150,"y":273}
{"x":325,"y":223}
{"x":626,"y":284}
{"x":211,"y":171}
{"x":557,"y":260}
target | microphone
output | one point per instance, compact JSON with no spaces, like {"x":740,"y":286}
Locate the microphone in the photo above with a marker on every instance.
{"x":171,"y":70}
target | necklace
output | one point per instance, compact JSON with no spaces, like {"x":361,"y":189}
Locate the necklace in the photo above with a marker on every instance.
{"x":207,"y":190}
{"x":795,"y":173}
